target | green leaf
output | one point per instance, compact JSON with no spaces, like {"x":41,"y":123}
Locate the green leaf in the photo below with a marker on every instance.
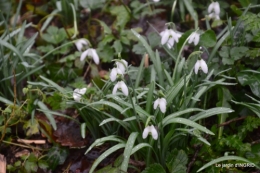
{"x":54,"y":35}
{"x":102,"y":140}
{"x":154,"y":168}
{"x":56,"y":156}
{"x":208,"y":38}
{"x":188,"y":123}
{"x":128,"y":150}
{"x":176,"y":161}
{"x":224,"y":158}
{"x":252,"y":79}
{"x":92,"y":4}
{"x":122,"y":16}
{"x":31,"y":128}
{"x":48,"y":115}
{"x":43,"y":164}
{"x":118,"y":46}
{"x":105,"y":155}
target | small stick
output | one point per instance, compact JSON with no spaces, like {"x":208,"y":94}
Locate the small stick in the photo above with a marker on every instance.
{"x":231,"y":121}
{"x":26,"y":141}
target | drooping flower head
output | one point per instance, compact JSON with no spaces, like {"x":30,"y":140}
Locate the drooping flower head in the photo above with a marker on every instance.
{"x":120,"y":85}
{"x":200,"y":64}
{"x":80,"y":43}
{"x":169,"y":36}
{"x":214,"y":10}
{"x":91,"y":53}
{"x":150,"y":130}
{"x":194,"y":37}
{"x":120,"y":67}
{"x":161,"y":102}
{"x":77,"y":93}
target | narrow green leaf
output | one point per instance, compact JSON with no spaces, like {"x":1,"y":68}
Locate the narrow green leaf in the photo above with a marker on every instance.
{"x":128,"y":150}
{"x":48,"y":115}
{"x":210,"y":112}
{"x":188,"y":123}
{"x":139,"y":73}
{"x":53,"y":84}
{"x":104,"y":155}
{"x":83,"y":130}
{"x":104,"y":139}
{"x":224,"y":158}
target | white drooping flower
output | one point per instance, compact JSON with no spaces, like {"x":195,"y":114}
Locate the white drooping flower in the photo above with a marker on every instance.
{"x":214,"y":10}
{"x":91,"y":53}
{"x":195,"y":38}
{"x":119,"y":69}
{"x":150,"y":129}
{"x":77,"y":93}
{"x":122,"y":65}
{"x":121,"y":85}
{"x":169,"y":36}
{"x":161,"y":102}
{"x":200,"y":64}
{"x":156,"y":0}
{"x":79,"y":43}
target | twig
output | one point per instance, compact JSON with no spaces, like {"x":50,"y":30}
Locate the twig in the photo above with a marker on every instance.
{"x":197,"y":147}
{"x":26,"y":141}
{"x":231,"y":121}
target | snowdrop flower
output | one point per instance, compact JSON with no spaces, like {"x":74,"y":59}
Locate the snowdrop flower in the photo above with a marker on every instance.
{"x":214,"y":10}
{"x":121,"y":85}
{"x":156,"y":0}
{"x":79,"y":43}
{"x":119,"y":69}
{"x":161,"y":102}
{"x":195,"y":38}
{"x":77,"y":93}
{"x":122,"y":64}
{"x":169,"y":36}
{"x":150,"y":129}
{"x":92,"y":53}
{"x":201,"y":64}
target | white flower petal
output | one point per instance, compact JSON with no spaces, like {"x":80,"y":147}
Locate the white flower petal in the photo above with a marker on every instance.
{"x":123,"y":87}
{"x":156,"y":103}
{"x":154,"y":132}
{"x":162,"y":104}
{"x":113,"y":74}
{"x":216,"y":8}
{"x":196,"y":39}
{"x":84,"y":55}
{"x":196,"y":67}
{"x":170,"y":43}
{"x":77,"y":93}
{"x":165,"y":37}
{"x":203,"y":66}
{"x":145,"y":132}
{"x":94,"y":56}
{"x":79,"y":43}
{"x":192,"y":36}
{"x":115,"y":89}
{"x":211,"y":7}
{"x":122,"y":65}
